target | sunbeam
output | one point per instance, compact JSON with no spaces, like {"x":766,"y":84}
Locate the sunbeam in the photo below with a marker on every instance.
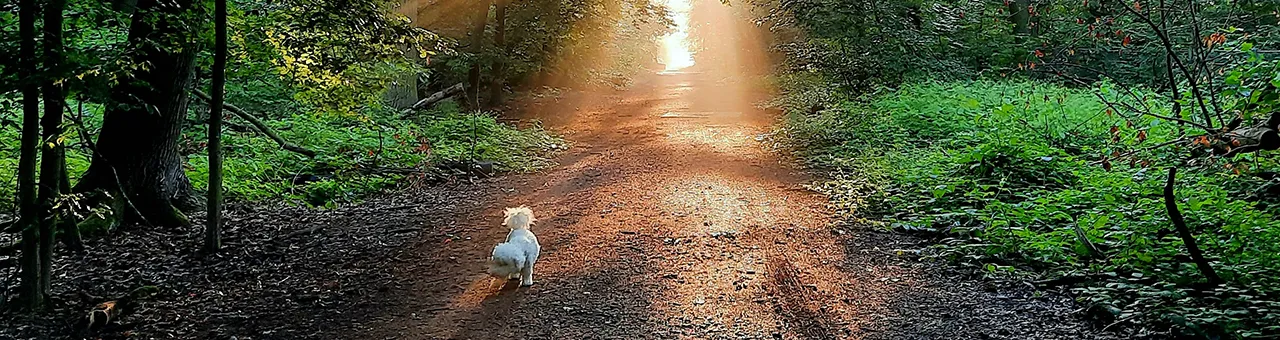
{"x":675,"y":46}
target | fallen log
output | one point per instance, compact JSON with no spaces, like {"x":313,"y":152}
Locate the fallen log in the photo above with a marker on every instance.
{"x":259,"y":125}
{"x":435,"y":97}
{"x":104,"y":313}
{"x":1238,"y":140}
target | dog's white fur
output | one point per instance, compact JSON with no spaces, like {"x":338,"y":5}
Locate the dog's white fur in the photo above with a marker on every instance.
{"x":518,"y":254}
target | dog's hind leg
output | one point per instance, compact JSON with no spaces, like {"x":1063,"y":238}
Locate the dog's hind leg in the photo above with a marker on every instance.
{"x":526,"y":275}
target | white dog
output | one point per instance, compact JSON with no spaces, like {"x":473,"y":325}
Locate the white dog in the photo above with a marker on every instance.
{"x":517,"y":255}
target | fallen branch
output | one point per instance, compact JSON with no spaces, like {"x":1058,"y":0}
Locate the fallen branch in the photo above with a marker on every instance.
{"x":259,"y":125}
{"x":106,"y":312}
{"x":1247,"y":139}
{"x":1084,"y":238}
{"x":435,"y":97}
{"x":1175,"y":216}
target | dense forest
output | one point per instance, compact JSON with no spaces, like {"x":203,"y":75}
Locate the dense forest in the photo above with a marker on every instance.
{"x":1115,"y":151}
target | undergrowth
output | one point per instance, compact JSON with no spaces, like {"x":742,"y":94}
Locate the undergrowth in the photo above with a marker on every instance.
{"x":1010,"y":176}
{"x":357,"y":155}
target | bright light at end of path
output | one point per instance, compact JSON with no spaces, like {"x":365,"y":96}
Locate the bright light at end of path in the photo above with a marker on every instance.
{"x":675,"y":46}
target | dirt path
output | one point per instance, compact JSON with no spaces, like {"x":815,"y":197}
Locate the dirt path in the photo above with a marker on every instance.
{"x":669,"y":220}
{"x":652,"y":227}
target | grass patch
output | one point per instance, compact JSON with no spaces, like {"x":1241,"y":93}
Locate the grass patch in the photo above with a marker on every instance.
{"x":1006,"y":171}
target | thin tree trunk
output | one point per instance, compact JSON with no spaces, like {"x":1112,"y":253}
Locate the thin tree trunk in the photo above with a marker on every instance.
{"x":213,"y":225}
{"x":498,"y":83}
{"x":67,"y":224}
{"x":1175,"y":216}
{"x":1020,"y":15}
{"x":477,"y":47}
{"x":138,"y":153}
{"x":30,"y":292}
{"x":50,"y":161}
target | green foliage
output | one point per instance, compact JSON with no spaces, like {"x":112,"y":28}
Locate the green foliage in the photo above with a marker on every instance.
{"x":564,"y":43}
{"x":360,"y":157}
{"x":1007,"y":171}
{"x":332,"y":56}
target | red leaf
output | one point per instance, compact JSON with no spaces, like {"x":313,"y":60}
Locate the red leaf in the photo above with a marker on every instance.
{"x":1125,"y":42}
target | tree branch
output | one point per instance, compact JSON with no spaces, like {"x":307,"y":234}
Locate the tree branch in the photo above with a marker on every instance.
{"x":435,"y":97}
{"x":1175,"y":216}
{"x":1168,"y":46}
{"x":259,"y":125}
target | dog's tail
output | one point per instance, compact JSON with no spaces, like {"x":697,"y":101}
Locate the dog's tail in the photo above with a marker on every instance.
{"x":519,"y":218}
{"x":508,"y":259}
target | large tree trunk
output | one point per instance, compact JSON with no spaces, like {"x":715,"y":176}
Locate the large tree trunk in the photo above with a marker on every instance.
{"x":138,"y":146}
{"x":51,"y":155}
{"x":497,"y":84}
{"x":31,"y":292}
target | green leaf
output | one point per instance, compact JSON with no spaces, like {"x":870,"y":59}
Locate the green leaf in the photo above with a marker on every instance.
{"x":1101,"y":221}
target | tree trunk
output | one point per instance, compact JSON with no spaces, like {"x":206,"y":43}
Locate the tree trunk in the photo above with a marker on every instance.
{"x":1189,"y":240}
{"x":1020,"y":15}
{"x":213,"y":225}
{"x":51,"y":148}
{"x":138,"y":146}
{"x":68,"y":225}
{"x":498,"y":83}
{"x":31,"y":292}
{"x":477,"y":47}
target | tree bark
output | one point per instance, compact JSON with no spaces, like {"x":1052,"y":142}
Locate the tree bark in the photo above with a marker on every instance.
{"x":51,"y":148}
{"x":138,"y":153}
{"x":213,"y":224}
{"x":498,"y":82}
{"x":30,"y":291}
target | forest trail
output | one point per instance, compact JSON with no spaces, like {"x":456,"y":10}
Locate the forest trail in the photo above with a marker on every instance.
{"x":668,"y":219}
